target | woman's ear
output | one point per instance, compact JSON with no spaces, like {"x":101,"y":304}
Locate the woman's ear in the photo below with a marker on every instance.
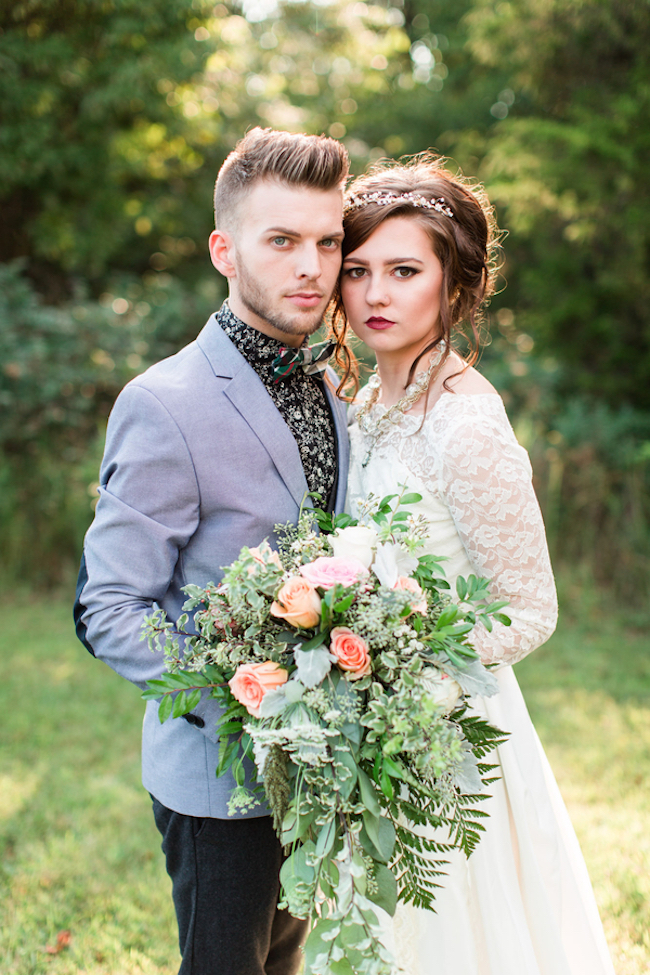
{"x":222,"y":253}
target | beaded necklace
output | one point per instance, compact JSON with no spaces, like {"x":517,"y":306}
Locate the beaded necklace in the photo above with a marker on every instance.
{"x":378,"y":428}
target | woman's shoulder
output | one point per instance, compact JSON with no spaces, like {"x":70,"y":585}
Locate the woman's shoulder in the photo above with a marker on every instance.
{"x":460,"y":378}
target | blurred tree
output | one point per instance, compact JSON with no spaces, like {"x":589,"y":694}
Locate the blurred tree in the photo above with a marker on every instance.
{"x":570,"y":168}
{"x":96,"y":158}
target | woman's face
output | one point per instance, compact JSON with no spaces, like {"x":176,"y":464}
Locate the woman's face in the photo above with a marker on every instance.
{"x":391,"y":289}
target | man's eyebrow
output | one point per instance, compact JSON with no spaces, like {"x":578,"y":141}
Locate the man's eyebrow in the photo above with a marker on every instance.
{"x":285,"y":232}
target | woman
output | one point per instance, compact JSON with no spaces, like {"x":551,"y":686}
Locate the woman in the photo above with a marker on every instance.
{"x":418,"y":263}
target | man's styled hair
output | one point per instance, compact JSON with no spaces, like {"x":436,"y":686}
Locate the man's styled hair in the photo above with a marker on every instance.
{"x":314,"y":161}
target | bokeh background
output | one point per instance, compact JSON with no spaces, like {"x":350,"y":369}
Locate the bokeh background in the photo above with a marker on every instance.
{"x":115,"y":116}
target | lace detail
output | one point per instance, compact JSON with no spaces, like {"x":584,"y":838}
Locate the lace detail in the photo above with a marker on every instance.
{"x":476,"y":483}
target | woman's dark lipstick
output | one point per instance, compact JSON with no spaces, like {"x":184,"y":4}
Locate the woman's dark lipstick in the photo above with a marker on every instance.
{"x":378,"y":322}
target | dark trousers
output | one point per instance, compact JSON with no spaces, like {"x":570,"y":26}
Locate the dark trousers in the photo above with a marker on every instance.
{"x":225,"y":889}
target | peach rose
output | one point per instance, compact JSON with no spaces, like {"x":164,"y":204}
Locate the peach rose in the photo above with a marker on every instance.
{"x":351,"y":652}
{"x":326,"y":572}
{"x":411,"y":585}
{"x":265,"y":555}
{"x":298,"y":603}
{"x":251,"y":682}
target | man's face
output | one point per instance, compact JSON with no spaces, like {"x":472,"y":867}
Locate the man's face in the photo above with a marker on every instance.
{"x":286,"y":255}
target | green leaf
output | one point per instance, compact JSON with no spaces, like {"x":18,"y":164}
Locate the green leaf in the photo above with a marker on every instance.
{"x":412,"y":498}
{"x":180,"y":705}
{"x":381,"y":833}
{"x":230,"y":728}
{"x":315,"y":641}
{"x":165,"y":708}
{"x":342,"y":967}
{"x":368,"y":794}
{"x":325,"y":839}
{"x":502,"y":618}
{"x":344,"y":604}
{"x":213,"y":674}
{"x":228,"y":752}
{"x":386,"y":895}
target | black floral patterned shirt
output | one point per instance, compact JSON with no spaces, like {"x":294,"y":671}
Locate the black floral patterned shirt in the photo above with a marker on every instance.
{"x":299,"y":398}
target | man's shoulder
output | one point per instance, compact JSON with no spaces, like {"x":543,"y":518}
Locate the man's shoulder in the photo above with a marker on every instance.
{"x":193,"y":369}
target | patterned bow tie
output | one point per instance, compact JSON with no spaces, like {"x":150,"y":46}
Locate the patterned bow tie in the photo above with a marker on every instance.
{"x":312,"y":358}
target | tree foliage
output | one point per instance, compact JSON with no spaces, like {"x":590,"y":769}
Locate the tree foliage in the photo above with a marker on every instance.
{"x":116,"y":116}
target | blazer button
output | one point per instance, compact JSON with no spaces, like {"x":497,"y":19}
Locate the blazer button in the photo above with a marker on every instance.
{"x":194,"y":719}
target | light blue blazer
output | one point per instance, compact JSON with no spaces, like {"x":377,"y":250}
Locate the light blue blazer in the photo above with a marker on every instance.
{"x":198,"y":462}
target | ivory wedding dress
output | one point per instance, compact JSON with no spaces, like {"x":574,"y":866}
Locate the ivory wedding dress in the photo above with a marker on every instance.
{"x":522,"y":904}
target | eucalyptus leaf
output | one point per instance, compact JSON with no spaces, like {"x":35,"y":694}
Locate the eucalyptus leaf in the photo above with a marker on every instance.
{"x":386,"y":895}
{"x":313,"y":665}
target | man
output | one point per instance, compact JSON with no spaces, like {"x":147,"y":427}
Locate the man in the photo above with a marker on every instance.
{"x":206,"y":452}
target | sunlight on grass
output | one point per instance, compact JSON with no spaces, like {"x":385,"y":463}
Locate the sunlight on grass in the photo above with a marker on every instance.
{"x":80,"y":852}
{"x":588,"y":692}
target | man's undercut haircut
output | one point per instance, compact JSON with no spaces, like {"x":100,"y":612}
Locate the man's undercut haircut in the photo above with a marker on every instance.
{"x":311,"y":161}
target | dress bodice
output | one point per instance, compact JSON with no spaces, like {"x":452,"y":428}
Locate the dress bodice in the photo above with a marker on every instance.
{"x":477,"y":494}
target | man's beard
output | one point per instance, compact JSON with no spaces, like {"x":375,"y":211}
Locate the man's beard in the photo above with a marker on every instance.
{"x":252,"y":297}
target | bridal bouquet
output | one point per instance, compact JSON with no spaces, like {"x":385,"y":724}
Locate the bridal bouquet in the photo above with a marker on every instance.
{"x":344,"y":668}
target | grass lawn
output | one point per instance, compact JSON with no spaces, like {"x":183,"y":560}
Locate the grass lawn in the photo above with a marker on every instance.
{"x":80,"y":852}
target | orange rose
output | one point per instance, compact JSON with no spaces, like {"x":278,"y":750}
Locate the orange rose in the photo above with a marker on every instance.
{"x":351,"y":652}
{"x":410,"y":585}
{"x":251,"y":682}
{"x":298,"y":603}
{"x":265,"y":555}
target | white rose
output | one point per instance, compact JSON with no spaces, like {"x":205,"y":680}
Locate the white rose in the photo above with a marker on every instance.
{"x":443,"y":690}
{"x":356,"y":542}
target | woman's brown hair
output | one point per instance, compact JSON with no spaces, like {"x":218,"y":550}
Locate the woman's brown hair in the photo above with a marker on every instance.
{"x":466,"y":244}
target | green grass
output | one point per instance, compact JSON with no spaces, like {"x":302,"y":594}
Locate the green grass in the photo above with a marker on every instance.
{"x":80,"y":851}
{"x":588,"y":693}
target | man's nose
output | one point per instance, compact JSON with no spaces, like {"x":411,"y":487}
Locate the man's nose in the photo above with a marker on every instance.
{"x":309,"y":264}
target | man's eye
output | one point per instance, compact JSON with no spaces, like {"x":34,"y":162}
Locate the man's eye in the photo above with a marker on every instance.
{"x":330,"y":242}
{"x":280,"y":241}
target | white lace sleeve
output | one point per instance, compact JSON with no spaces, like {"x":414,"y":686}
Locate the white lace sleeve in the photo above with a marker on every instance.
{"x":486,"y":480}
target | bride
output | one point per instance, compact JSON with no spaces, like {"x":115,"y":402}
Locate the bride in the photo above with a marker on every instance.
{"x":417,"y":265}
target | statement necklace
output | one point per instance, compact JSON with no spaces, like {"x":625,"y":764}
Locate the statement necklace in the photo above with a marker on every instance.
{"x":376,"y":429}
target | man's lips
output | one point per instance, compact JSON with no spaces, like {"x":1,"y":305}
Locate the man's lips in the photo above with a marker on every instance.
{"x":306,"y":299}
{"x":378,"y":323}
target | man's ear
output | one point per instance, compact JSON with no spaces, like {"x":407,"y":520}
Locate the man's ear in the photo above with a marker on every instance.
{"x":222,"y":253}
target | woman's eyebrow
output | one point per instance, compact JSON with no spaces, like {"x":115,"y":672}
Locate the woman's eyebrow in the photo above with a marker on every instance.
{"x":393,"y":260}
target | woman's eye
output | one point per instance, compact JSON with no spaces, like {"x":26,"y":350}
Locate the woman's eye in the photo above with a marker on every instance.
{"x":355,"y":272}
{"x":404,"y":272}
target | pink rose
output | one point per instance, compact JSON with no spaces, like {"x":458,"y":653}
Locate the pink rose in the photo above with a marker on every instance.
{"x":326,"y":572}
{"x":411,"y":585}
{"x":298,"y":603}
{"x":265,"y":555}
{"x":351,"y":652}
{"x":251,"y":682}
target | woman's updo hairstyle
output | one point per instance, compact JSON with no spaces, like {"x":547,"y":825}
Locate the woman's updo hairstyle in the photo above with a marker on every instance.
{"x":465,"y":242}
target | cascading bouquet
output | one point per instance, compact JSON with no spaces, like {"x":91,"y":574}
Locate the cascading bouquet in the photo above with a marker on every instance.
{"x":344,"y":669}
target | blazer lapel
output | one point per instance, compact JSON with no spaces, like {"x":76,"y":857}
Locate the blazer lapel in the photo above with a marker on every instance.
{"x":339,"y":413}
{"x":247,"y":393}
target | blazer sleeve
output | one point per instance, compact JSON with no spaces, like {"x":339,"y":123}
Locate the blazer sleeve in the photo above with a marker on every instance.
{"x":148,"y":509}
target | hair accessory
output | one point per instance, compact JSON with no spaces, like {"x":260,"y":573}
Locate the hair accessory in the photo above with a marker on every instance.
{"x":357,"y":201}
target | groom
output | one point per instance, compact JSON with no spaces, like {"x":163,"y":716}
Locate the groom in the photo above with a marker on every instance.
{"x":206,"y":452}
